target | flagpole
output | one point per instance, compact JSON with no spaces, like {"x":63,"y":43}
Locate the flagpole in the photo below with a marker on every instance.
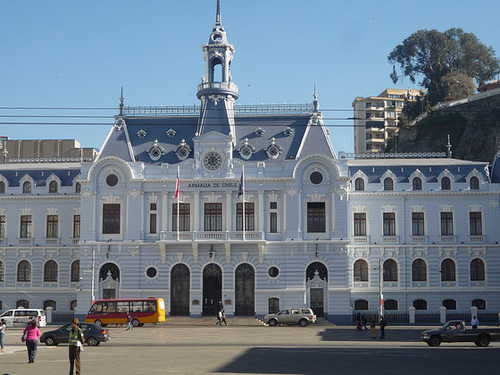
{"x":178,"y":198}
{"x":243,"y":184}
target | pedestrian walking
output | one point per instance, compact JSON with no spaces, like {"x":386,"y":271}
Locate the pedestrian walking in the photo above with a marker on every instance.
{"x":32,"y":334}
{"x":223,"y":317}
{"x":219,"y":318}
{"x":383,"y":324}
{"x":3,"y":325}
{"x":373,"y":323}
{"x":474,"y":322}
{"x":129,"y":322}
{"x":363,"y":321}
{"x":76,"y":340}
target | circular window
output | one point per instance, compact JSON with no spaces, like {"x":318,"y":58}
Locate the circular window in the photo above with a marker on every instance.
{"x":273,"y":272}
{"x":273,"y":151}
{"x":182,"y":153}
{"x":155,"y":153}
{"x":151,"y":272}
{"x":112,"y":180}
{"x":246,"y":152}
{"x":212,"y":160}
{"x":316,"y":178}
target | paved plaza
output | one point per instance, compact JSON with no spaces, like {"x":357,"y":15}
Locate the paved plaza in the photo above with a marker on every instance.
{"x":246,"y":346}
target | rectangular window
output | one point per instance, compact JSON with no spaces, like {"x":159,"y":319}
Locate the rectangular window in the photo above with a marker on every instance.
{"x":52,"y":226}
{"x":446,"y":223}
{"x":26,"y":226}
{"x":111,"y":218}
{"x":389,"y":225}
{"x":273,"y":205}
{"x":152,"y":207}
{"x":316,"y":217}
{"x":360,"y":224}
{"x":152,"y":223}
{"x":76,"y":226}
{"x":273,"y":222}
{"x":249,"y":216}
{"x":476,"y":224}
{"x":213,"y":217}
{"x":2,"y":226}
{"x":184,"y":217}
{"x":417,"y":224}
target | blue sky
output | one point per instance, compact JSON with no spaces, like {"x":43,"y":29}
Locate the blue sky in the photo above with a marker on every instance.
{"x":78,"y":54}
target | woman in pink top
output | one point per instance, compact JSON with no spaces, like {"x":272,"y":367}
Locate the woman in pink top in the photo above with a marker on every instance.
{"x":32,"y":340}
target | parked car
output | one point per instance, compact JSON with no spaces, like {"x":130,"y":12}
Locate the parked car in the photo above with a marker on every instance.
{"x":93,"y":334}
{"x":298,"y":315}
{"x":20,"y":317}
{"x":456,"y":331}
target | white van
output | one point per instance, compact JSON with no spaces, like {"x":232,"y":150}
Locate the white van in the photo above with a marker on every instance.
{"x":20,"y":317}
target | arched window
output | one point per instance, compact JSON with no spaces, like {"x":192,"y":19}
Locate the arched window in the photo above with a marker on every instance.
{"x":360,"y":270}
{"x":420,"y":304}
{"x":479,"y":303}
{"x":419,"y":270}
{"x":316,"y":268}
{"x":24,"y":271}
{"x":27,"y":187}
{"x":445,"y":183}
{"x":390,"y":270}
{"x":474,"y":183}
{"x":78,"y":187}
{"x":448,"y":270}
{"x":359,"y":184}
{"x":450,"y":304}
{"x":477,"y":270}
{"x":73,"y":304}
{"x":417,"y":183}
{"x":361,"y":304}
{"x":53,"y":187}
{"x":50,"y":271}
{"x":49,"y":303}
{"x":390,"y":304}
{"x":75,"y":271}
{"x":2,"y":187}
{"x":23,"y":303}
{"x":2,"y":272}
{"x":388,"y":184}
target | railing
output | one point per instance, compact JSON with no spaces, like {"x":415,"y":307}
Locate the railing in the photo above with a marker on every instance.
{"x":26,"y":241}
{"x":360,"y":239}
{"x":238,"y":109}
{"x":477,"y":238}
{"x":390,"y":239}
{"x":52,"y":241}
{"x":212,"y":236}
{"x":218,"y":85}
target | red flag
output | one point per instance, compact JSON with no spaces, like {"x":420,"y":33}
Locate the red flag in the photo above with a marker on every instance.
{"x":177,"y":185}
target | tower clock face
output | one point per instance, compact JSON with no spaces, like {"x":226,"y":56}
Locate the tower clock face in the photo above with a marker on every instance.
{"x":212,"y":160}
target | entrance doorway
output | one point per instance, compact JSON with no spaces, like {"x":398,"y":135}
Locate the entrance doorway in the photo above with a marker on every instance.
{"x":109,"y":281}
{"x":244,"y":290}
{"x":212,"y":289}
{"x":179,"y":290}
{"x":317,"y":284}
{"x":317,"y":301}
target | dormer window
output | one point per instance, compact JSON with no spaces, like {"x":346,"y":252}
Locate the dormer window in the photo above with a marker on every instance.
{"x":445,"y":183}
{"x":156,"y":151}
{"x":273,"y":150}
{"x":27,"y":187}
{"x":183,"y":150}
{"x":388,"y":184}
{"x":142,"y":133}
{"x":170,"y":133}
{"x":259,"y":132}
{"x":474,"y":183}
{"x":288,"y":131}
{"x":246,"y":150}
{"x":53,"y":187}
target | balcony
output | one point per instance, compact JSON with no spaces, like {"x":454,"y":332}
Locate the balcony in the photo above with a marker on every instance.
{"x":390,"y":239}
{"x":361,"y":239}
{"x":448,"y":239}
{"x":418,"y":239}
{"x":211,"y":236}
{"x":52,"y":241}
{"x":25,"y":241}
{"x":477,"y":239}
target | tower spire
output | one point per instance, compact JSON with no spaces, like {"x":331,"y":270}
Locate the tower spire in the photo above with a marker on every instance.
{"x":217,"y":17}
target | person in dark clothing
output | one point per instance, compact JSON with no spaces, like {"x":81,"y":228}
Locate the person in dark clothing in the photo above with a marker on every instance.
{"x":383,"y":324}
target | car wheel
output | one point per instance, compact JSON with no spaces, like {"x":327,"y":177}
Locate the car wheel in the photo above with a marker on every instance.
{"x":273,"y":322}
{"x":49,"y":341}
{"x":135,"y":322}
{"x":98,"y":322}
{"x":435,"y":341}
{"x":483,"y":341}
{"x":303,"y":323}
{"x":92,"y":341}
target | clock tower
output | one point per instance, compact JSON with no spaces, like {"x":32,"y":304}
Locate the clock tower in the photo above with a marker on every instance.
{"x":217,"y":92}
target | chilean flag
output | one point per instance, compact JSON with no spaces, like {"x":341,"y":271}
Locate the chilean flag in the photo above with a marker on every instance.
{"x":177,"y":185}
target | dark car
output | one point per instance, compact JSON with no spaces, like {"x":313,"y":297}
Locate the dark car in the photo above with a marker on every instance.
{"x":94,"y":335}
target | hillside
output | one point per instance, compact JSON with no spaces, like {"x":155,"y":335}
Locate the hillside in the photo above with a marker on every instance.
{"x":474,"y":129}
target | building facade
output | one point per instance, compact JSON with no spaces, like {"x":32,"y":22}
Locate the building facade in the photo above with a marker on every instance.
{"x":376,"y":119}
{"x":248,"y":207}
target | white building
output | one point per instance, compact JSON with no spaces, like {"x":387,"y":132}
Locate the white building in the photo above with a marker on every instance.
{"x":318,"y":230}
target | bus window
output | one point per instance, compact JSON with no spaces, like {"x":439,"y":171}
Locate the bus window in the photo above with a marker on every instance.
{"x":122,"y":306}
{"x":109,"y":307}
{"x":136,"y":306}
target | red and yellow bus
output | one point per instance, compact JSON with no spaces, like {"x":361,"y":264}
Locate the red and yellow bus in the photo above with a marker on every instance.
{"x":114,"y":311}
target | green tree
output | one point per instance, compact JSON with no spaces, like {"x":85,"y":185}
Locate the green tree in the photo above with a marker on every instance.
{"x":434,"y":55}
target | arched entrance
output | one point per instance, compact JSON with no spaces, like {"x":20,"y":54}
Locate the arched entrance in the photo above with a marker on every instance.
{"x":317,"y":285}
{"x":212,"y":289}
{"x":179,"y":290}
{"x":109,"y":281}
{"x":244,"y":290}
